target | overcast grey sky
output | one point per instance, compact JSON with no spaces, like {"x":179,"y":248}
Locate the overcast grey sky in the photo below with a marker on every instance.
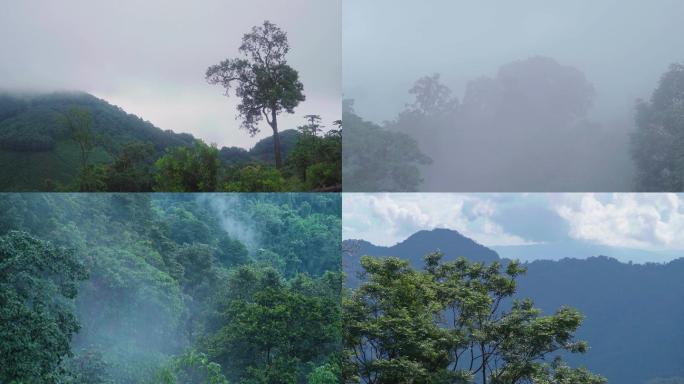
{"x":149,"y":57}
{"x":622,"y":46}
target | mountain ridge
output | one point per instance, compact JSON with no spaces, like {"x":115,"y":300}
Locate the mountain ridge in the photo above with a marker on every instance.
{"x":414,"y":247}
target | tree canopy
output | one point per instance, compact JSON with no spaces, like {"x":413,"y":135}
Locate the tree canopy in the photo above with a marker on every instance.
{"x":657,"y":142}
{"x":179,"y":288}
{"x":453,"y":322}
{"x":38,"y":285}
{"x":377,"y":159}
{"x":266,"y":84}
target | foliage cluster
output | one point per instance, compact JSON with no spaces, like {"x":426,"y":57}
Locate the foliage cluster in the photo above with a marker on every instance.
{"x":141,"y":288}
{"x":658,"y":141}
{"x":453,"y":322}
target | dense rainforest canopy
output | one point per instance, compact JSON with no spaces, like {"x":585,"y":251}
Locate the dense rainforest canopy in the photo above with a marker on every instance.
{"x":141,"y":288}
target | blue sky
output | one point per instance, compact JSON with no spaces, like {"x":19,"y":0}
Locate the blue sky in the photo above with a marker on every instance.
{"x":629,"y":227}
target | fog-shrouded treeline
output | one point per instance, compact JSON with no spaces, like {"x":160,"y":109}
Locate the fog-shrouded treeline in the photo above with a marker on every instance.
{"x":525,"y":96}
{"x":529,"y":126}
{"x":170,"y":288}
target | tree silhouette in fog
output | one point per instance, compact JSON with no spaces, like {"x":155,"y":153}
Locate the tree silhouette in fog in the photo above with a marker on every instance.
{"x":537,"y":91}
{"x":526,"y":128}
{"x":266,"y":84}
{"x":657,"y":144}
{"x":376,"y":159}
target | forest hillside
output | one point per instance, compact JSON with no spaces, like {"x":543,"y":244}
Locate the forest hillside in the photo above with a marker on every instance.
{"x":142,"y":288}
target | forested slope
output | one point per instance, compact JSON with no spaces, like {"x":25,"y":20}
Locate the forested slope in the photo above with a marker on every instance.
{"x":177,"y":288}
{"x":108,"y":149}
{"x":35,"y":145}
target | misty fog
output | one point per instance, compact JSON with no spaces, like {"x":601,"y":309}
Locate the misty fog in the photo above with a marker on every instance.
{"x":167,"y":277}
{"x":508,"y":96}
{"x":150,"y":57}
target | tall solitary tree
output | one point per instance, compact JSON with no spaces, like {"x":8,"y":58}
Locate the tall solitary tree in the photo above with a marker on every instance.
{"x":263,"y":80}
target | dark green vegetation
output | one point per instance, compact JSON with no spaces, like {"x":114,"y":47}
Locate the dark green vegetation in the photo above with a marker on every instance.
{"x":38,"y":150}
{"x":658,"y":143}
{"x":142,"y":288}
{"x":37,"y":286}
{"x":448,"y":324}
{"x":632,"y":313}
{"x":77,"y":142}
{"x":267,"y":86}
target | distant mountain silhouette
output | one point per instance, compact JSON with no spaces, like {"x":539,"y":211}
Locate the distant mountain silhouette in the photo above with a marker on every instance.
{"x":262,"y":151}
{"x":448,"y":241}
{"x":634,"y":313}
{"x":582,"y":250}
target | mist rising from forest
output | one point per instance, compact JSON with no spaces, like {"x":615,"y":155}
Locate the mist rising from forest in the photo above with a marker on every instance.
{"x":149,"y":331}
{"x":225,"y":206}
{"x":530,"y":96}
{"x":162,"y":275}
{"x":129,"y":310}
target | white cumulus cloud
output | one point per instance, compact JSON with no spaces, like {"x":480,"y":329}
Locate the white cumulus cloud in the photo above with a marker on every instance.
{"x":386,"y":219}
{"x":642,"y":221}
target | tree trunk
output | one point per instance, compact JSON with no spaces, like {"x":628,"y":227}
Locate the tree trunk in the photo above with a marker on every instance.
{"x":276,"y":139}
{"x":484,"y":364}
